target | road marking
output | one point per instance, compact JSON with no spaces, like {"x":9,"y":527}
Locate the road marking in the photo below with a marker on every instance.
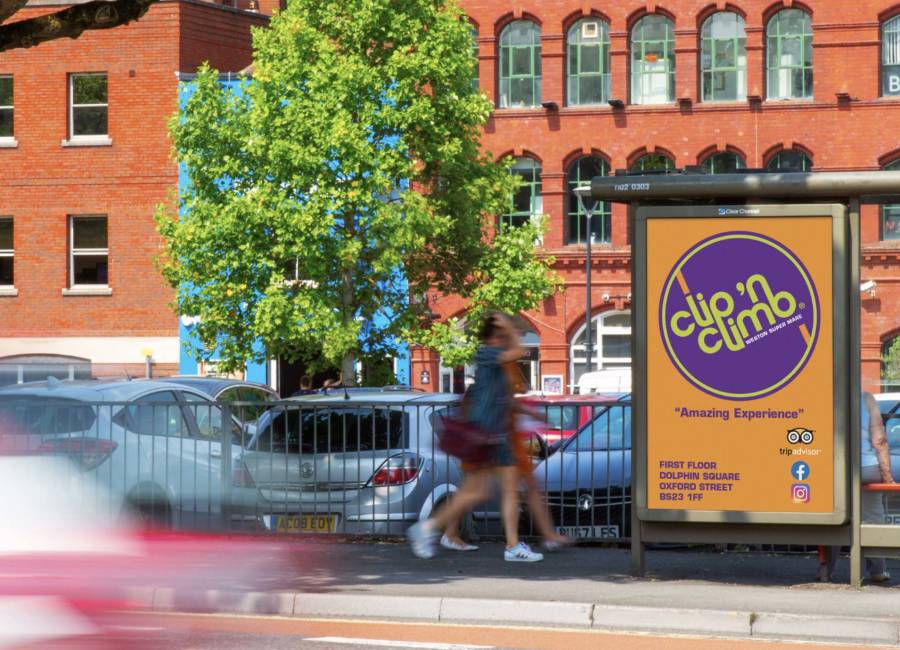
{"x":385,"y":643}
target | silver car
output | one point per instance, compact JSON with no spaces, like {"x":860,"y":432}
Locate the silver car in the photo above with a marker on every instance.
{"x":156,"y":448}
{"x":355,"y":461}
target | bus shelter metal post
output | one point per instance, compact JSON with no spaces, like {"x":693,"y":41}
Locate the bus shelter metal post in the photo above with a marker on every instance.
{"x":638,"y":343}
{"x":855,"y":424}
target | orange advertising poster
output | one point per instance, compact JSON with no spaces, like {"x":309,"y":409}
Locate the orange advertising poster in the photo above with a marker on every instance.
{"x":739,"y":364}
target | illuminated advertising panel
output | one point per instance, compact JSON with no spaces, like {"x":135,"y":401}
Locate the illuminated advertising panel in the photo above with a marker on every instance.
{"x":740,"y":358}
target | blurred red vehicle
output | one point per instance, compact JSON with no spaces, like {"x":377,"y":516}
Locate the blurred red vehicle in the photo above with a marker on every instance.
{"x":74,"y":576}
{"x":564,"y":414}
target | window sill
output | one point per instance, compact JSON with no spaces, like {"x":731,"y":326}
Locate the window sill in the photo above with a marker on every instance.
{"x":99,"y":290}
{"x":93,"y":141}
{"x":8,"y":143}
{"x":8,"y":291}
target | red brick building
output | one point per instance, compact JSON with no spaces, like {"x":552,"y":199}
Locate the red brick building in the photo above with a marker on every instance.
{"x":85,"y":158}
{"x":591,"y":87}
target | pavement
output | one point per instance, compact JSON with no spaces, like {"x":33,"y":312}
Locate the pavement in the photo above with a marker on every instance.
{"x":695,"y":591}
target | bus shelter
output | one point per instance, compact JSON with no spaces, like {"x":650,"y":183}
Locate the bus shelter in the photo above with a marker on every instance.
{"x":746,"y":331}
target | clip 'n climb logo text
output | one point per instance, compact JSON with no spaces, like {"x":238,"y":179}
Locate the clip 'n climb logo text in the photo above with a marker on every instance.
{"x":739,"y":315}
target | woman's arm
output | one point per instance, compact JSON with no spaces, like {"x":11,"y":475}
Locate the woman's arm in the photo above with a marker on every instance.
{"x":879,"y":439}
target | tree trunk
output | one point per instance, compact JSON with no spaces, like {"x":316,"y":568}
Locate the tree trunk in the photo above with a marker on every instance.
{"x":348,"y":370}
{"x":348,"y":363}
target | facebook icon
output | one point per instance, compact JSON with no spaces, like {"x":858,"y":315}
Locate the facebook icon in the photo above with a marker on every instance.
{"x":800,"y":470}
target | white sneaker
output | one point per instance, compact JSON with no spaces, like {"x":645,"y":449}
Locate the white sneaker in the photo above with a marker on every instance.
{"x":521,"y":553}
{"x":422,"y":541}
{"x":450,"y":545}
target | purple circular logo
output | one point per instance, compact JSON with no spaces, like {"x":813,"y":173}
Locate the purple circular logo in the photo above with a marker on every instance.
{"x":739,"y":315}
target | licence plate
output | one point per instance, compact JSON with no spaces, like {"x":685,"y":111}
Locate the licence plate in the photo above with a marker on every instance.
{"x":589,"y":532}
{"x":305,"y":523}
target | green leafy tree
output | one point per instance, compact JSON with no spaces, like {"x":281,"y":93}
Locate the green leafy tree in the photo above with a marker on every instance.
{"x":890,"y":363}
{"x":346,"y":178}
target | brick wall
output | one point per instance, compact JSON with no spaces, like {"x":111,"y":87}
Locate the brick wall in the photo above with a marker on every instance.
{"x":854,"y":135}
{"x":43,"y":182}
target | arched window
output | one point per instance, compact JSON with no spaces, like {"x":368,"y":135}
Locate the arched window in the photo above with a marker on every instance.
{"x":789,"y":55}
{"x":790,"y":160}
{"x":723,"y":58}
{"x":520,"y":65}
{"x":723,"y":162}
{"x":588,"y":62}
{"x":890,"y":57}
{"x":653,"y":162}
{"x":526,"y":201}
{"x":21,"y":368}
{"x":581,"y":172}
{"x":653,"y":60}
{"x":890,"y":214}
{"x":611,"y":341}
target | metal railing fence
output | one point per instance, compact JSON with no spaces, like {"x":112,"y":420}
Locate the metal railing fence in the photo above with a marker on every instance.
{"x":351,"y":463}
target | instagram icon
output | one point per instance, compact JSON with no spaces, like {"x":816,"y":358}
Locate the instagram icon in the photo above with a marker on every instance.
{"x":800,"y":493}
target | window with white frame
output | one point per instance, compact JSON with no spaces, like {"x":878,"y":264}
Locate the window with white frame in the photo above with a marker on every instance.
{"x":6,"y":251}
{"x":890,"y":58}
{"x":6,"y":106}
{"x":611,"y":341}
{"x":88,"y":251}
{"x":88,"y":106}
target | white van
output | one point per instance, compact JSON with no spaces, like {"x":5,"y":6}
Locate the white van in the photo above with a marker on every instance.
{"x":613,"y":380}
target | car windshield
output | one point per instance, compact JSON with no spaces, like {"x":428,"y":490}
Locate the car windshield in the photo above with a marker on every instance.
{"x":610,"y":430}
{"x":331,"y":430}
{"x":560,"y":416}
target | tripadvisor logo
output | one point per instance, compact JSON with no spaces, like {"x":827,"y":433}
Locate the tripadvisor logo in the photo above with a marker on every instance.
{"x":739,"y":315}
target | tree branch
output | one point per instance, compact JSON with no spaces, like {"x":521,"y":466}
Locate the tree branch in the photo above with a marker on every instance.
{"x":9,"y":7}
{"x":70,"y":22}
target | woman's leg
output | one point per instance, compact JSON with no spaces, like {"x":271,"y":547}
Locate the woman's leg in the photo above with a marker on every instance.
{"x":474,"y":490}
{"x":540,"y":514}
{"x":509,"y":505}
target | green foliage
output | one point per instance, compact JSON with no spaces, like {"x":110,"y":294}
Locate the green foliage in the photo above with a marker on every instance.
{"x":298,"y":227}
{"x":890,"y":362}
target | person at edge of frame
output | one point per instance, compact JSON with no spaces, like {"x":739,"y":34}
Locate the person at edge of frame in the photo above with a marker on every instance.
{"x":491,"y":409}
{"x":875,"y":461}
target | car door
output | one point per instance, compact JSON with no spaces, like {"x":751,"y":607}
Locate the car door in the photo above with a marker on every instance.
{"x":205,"y":451}
{"x":156,"y":431}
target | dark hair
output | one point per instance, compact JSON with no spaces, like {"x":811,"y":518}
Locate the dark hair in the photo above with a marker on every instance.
{"x":488,"y":327}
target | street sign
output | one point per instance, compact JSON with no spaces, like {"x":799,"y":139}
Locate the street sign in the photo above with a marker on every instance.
{"x":742,"y":333}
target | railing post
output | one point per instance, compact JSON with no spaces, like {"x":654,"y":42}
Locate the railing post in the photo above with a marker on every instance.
{"x":226,"y":480}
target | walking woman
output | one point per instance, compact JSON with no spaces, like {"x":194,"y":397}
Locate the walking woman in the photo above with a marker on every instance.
{"x":520,"y":445}
{"x":490,"y":410}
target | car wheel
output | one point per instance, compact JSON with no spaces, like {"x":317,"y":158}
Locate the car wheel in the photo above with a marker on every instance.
{"x":151,"y":514}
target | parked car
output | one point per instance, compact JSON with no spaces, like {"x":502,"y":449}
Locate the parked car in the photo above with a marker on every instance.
{"x":232,"y":390}
{"x":588,"y":479}
{"x":564,"y":414}
{"x":155,"y":447}
{"x":356,"y":461}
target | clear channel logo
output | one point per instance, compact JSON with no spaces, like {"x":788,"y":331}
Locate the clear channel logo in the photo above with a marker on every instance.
{"x":739,"y":315}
